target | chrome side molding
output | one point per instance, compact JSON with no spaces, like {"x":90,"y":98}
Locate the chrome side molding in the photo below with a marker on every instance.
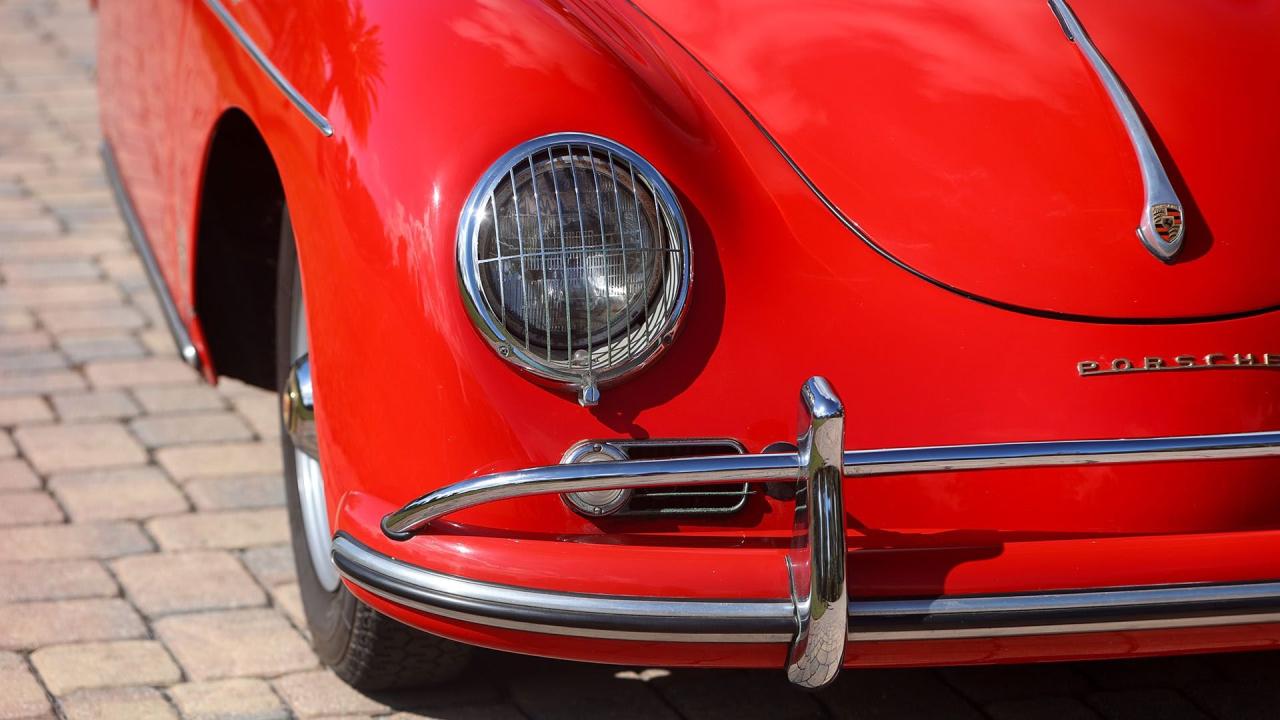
{"x":181,"y":338}
{"x":277,"y":78}
{"x":1163,"y":220}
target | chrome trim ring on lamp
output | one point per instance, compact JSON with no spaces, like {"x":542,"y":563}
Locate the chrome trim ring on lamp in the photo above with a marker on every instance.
{"x":516,"y":351}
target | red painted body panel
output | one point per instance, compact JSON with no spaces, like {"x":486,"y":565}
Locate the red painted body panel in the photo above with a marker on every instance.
{"x":974,"y":143}
{"x":424,"y":96}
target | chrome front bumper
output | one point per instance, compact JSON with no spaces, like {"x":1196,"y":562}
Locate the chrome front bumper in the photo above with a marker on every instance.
{"x":817,"y":619}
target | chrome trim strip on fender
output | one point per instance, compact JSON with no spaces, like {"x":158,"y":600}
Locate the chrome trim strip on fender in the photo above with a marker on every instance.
{"x":660,"y":619}
{"x":781,"y":466}
{"x":1160,"y":197}
{"x":816,"y":563}
{"x":181,"y":338}
{"x":282,"y":83}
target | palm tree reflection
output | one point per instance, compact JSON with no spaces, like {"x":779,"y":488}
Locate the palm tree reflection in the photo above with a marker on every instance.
{"x":332,"y":46}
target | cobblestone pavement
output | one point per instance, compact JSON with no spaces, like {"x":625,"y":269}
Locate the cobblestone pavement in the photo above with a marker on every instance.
{"x":144,"y":570}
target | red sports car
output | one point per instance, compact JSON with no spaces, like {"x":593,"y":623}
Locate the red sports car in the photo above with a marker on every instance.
{"x":541,"y":282}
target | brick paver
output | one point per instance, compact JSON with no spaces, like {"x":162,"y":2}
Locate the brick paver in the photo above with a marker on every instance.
{"x":232,"y":493}
{"x":96,"y":405}
{"x":26,"y":626}
{"x":55,"y":542}
{"x":248,"y":698}
{"x":20,"y":409}
{"x":131,"y":703}
{"x":232,"y":529}
{"x":160,"y":584}
{"x":65,"y":668}
{"x":144,"y":562}
{"x":319,"y":693}
{"x":21,"y":695}
{"x":131,"y":493}
{"x":236,"y":643}
{"x":219,"y":459}
{"x":15,"y":474}
{"x":29,"y":508}
{"x":185,"y":429}
{"x":51,"y":448}
{"x":54,"y":580}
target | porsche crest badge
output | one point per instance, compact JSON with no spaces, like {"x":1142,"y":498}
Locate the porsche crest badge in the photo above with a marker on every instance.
{"x":1166,"y":218}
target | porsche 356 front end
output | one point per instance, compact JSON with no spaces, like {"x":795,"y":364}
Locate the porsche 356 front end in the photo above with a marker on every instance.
{"x":765,"y":334}
{"x":1015,"y":410}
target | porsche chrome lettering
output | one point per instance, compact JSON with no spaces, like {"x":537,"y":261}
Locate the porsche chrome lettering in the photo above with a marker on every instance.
{"x":1209,"y":361}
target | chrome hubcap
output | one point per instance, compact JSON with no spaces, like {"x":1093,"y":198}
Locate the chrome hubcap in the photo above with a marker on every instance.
{"x":298,"y":412}
{"x":298,"y":409}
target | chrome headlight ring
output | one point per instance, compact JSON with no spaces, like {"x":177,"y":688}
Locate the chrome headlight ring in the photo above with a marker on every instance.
{"x":574,"y":259}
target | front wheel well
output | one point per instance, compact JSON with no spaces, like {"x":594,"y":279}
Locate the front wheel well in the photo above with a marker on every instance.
{"x":242,"y":205}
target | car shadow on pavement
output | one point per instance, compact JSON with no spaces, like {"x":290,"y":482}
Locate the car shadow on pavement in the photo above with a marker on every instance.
{"x":501,"y":685}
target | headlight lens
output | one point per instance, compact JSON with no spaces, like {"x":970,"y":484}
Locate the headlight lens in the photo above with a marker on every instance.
{"x":575,"y":258}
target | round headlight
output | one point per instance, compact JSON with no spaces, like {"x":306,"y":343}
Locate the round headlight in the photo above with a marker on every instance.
{"x":575,"y":260}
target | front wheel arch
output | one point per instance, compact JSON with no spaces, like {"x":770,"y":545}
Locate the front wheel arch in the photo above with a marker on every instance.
{"x":237,"y":247}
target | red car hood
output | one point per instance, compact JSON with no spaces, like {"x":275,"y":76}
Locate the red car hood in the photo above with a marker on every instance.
{"x":974,"y":144}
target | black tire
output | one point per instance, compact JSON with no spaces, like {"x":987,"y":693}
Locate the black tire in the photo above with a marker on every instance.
{"x":367,"y":649}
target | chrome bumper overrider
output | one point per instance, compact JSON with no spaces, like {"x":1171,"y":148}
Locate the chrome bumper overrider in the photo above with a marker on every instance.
{"x":817,"y":618}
